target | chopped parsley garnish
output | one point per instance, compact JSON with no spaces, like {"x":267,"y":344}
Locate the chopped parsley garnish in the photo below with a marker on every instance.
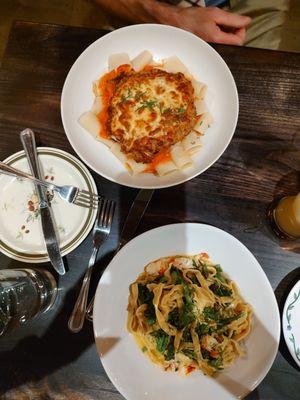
{"x":144,"y":348}
{"x":125,"y":99}
{"x":147,"y":104}
{"x":139,"y":95}
{"x":167,"y":110}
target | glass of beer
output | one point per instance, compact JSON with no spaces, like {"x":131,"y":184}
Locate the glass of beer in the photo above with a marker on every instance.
{"x":284,"y":217}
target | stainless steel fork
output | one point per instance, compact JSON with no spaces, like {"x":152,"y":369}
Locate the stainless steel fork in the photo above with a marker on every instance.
{"x":71,"y":194}
{"x":100,"y":233}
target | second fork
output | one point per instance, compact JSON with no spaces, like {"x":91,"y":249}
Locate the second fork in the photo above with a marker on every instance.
{"x":100,"y":233}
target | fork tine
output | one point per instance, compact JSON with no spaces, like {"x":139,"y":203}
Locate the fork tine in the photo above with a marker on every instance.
{"x":86,"y":205}
{"x":88,"y":196}
{"x":107,"y":213}
{"x":111,"y":214}
{"x":90,"y":193}
{"x":87,"y":200}
{"x":103,"y":213}
{"x":99,"y":211}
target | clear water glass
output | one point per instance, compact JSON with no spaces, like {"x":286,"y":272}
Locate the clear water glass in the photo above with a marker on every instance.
{"x":24,"y":294}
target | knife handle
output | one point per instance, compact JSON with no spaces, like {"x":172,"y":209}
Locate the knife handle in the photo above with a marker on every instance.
{"x":28,"y":141}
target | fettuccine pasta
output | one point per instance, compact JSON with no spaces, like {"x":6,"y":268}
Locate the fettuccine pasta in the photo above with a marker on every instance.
{"x":186,"y":314}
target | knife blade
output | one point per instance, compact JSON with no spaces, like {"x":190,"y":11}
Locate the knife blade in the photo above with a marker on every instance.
{"x":48,"y":227}
{"x":136,"y":213}
{"x":132,"y":221}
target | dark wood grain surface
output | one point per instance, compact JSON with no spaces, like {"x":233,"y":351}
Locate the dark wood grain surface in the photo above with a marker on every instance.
{"x":42,"y":359}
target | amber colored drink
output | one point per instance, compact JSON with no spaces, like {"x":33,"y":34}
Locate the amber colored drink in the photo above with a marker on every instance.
{"x":287,"y":215}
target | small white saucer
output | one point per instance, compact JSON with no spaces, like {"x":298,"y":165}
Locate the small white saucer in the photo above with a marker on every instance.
{"x":291,"y":322}
{"x":21,"y":236}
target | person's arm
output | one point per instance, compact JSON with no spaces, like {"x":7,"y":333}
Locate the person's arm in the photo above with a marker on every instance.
{"x":139,"y":10}
{"x":211,"y":24}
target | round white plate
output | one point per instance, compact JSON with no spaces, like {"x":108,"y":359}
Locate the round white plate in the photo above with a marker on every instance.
{"x":130,"y":370}
{"x":21,"y":235}
{"x":163,"y":41}
{"x":291,"y":322}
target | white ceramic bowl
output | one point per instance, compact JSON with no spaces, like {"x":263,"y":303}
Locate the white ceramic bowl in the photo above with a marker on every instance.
{"x":130,"y":370}
{"x":162,"y":41}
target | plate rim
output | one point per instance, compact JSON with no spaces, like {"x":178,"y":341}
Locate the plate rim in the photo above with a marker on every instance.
{"x":134,"y":27}
{"x":72,"y":244}
{"x":268,"y":366}
{"x":286,"y":331}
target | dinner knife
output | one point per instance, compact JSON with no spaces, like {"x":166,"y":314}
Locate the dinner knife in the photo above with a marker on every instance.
{"x":48,"y":227}
{"x":136,"y":213}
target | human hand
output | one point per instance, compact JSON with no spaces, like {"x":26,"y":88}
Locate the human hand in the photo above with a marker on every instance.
{"x":212,"y":24}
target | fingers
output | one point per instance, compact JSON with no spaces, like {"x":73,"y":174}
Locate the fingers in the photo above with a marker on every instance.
{"x":241,"y":33}
{"x":236,"y":38}
{"x":233,"y":20}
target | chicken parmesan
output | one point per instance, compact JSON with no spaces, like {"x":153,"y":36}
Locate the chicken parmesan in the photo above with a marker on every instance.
{"x":150,"y":111}
{"x":151,"y":115}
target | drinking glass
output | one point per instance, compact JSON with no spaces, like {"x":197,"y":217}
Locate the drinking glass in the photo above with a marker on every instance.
{"x":24,"y":293}
{"x":284,"y":217}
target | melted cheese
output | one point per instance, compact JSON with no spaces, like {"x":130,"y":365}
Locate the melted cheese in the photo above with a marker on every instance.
{"x":149,"y":111}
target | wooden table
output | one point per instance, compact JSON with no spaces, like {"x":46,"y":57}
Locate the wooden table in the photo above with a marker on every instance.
{"x":42,"y":359}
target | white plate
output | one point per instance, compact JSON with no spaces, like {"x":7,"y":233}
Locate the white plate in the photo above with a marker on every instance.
{"x":21,"y":234}
{"x":130,"y":370}
{"x":163,"y":41}
{"x":291,"y":322}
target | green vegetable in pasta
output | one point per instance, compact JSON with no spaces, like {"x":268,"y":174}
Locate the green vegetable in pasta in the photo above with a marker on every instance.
{"x":170,"y":352}
{"x":145,"y":296}
{"x":205,"y":271}
{"x":221,"y":290}
{"x":216,"y":362}
{"x":190,"y":354}
{"x":226,"y":321}
{"x":219,"y":274}
{"x":181,"y":318}
{"x":161,"y":338}
{"x":203,"y":329}
{"x":176,"y":276}
{"x":210,"y":313}
{"x":186,"y":335}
